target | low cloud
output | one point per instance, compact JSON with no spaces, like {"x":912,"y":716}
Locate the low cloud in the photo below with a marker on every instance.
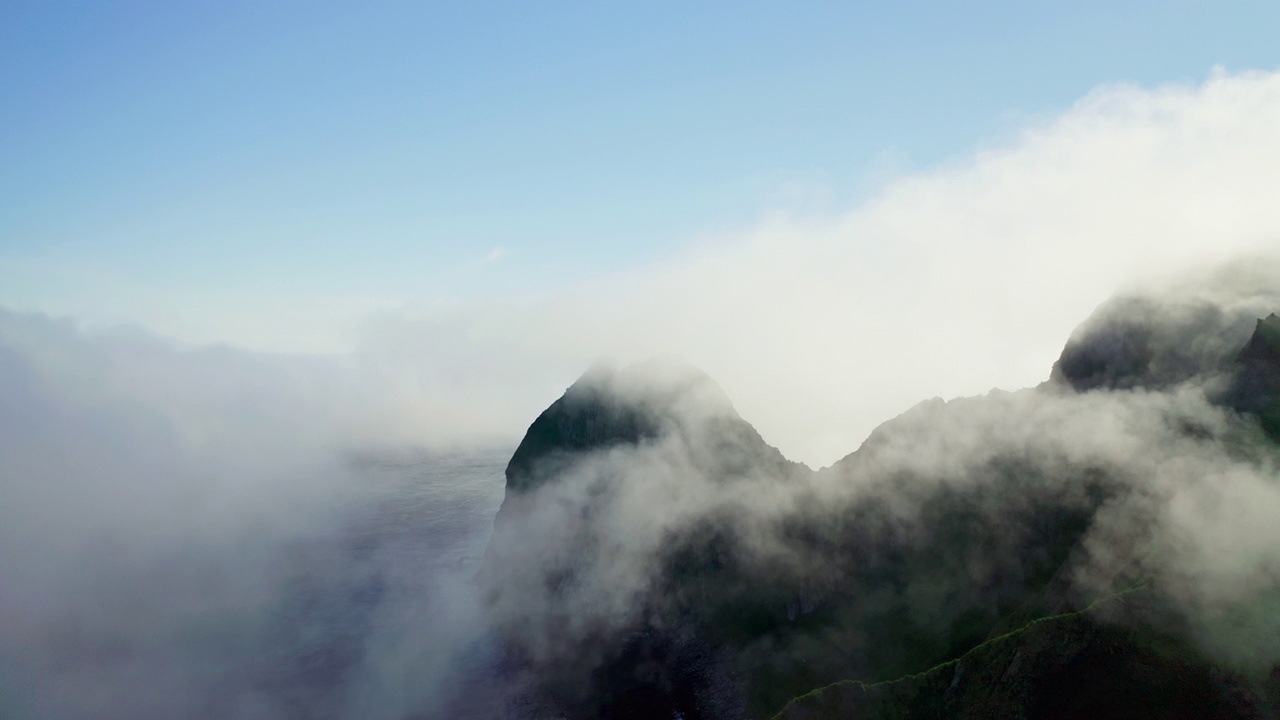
{"x":208,"y":533}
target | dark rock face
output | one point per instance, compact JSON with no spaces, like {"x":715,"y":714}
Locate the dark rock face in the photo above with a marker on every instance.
{"x":1140,"y":343}
{"x":1118,"y":356}
{"x":654,"y":557}
{"x":607,"y":408}
{"x":1137,"y":344}
{"x":1256,"y":388}
{"x":588,"y":417}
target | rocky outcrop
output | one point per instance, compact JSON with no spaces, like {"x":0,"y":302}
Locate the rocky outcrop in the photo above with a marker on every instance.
{"x":1256,"y":386}
{"x":607,"y":408}
{"x":1151,"y":344}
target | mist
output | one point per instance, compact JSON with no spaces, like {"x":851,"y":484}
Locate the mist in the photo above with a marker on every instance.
{"x":212,"y":533}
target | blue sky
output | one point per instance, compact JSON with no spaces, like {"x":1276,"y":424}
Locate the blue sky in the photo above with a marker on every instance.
{"x":188,"y":154}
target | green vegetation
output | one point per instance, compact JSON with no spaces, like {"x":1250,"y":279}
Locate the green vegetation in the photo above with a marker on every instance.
{"x":817,"y":693}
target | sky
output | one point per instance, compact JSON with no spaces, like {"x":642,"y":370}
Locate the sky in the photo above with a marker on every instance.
{"x":488,"y":196}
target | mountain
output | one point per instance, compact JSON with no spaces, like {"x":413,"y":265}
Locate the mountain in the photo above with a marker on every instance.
{"x":663,"y":397}
{"x":1018,"y":554}
{"x":595,"y":484}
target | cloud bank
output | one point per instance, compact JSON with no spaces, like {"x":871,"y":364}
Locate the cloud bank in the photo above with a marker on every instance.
{"x":944,"y":283}
{"x":209,"y":533}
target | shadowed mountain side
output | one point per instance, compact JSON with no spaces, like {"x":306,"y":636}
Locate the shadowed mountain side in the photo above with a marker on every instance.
{"x":1064,"y":667}
{"x":1141,"y":343}
{"x":1256,"y":387}
{"x":1152,"y":344}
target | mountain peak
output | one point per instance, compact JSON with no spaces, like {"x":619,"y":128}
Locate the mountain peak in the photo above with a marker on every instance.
{"x":1256,"y":389}
{"x":608,"y":406}
{"x":1264,"y":346}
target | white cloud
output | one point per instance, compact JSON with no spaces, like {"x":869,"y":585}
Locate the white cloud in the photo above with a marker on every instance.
{"x":168,"y":514}
{"x":947,"y":282}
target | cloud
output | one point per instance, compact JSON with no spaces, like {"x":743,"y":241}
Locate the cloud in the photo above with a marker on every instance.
{"x":212,"y":533}
{"x":944,"y":283}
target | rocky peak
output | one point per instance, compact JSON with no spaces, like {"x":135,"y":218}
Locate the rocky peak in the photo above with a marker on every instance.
{"x":607,"y":407}
{"x":1256,"y":389}
{"x":1264,"y":346}
{"x":1132,"y":343}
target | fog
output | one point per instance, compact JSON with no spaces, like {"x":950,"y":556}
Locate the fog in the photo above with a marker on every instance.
{"x":212,"y":533}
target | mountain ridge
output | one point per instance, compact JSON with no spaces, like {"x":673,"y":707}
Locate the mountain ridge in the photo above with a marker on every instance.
{"x":748,"y":596}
